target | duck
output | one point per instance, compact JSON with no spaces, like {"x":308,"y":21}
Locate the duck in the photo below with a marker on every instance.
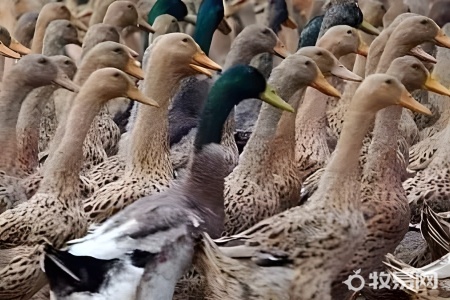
{"x":49,"y":13}
{"x":384,"y":202}
{"x":105,"y":54}
{"x":148,"y":168}
{"x":337,"y":12}
{"x":33,"y":108}
{"x":251,"y":183}
{"x":185,"y":208}
{"x":55,"y":215}
{"x":15,"y":92}
{"x":304,"y":248}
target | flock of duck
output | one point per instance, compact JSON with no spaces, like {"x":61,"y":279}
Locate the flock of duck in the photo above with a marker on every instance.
{"x":218,"y":149}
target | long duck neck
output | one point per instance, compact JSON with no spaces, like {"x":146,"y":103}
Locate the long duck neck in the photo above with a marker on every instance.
{"x":258,"y":147}
{"x":342,"y":173}
{"x":383,"y":149}
{"x":28,"y":128}
{"x":62,"y":170}
{"x":11,"y":99}
{"x":149,"y":146}
{"x":38,"y":39}
{"x":284,"y":141}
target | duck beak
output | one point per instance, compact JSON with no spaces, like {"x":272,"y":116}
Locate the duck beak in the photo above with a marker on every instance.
{"x":363,"y":49}
{"x":442,"y":40}
{"x":18,"y":47}
{"x":322,"y":85}
{"x":133,"y":68}
{"x":142,"y":24}
{"x":280,"y":50}
{"x":342,"y":72}
{"x":200,"y":59}
{"x":64,"y":81}
{"x":78,"y":24}
{"x":290,"y":23}
{"x":433,"y":85}
{"x":407,"y":101}
{"x":270,"y":96}
{"x":201,"y":70}
{"x":5,"y":51}
{"x":368,"y":28}
{"x":422,"y":55}
{"x":136,"y":95}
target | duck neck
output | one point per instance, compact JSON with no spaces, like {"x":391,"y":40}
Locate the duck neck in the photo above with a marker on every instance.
{"x":254,"y":156}
{"x":284,"y":141}
{"x":150,"y":145}
{"x":11,"y":99}
{"x":392,"y":51}
{"x":28,"y":128}
{"x":383,"y":149}
{"x":342,"y":174}
{"x":61,"y":174}
{"x":38,"y":39}
{"x":240,"y":53}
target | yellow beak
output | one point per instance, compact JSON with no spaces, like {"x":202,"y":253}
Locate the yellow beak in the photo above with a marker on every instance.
{"x":270,"y":96}
{"x":407,"y":101}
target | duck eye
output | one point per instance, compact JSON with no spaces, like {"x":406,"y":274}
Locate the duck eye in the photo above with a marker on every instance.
{"x":383,"y":7}
{"x":69,"y":25}
{"x":307,"y":63}
{"x":67,"y":62}
{"x":116,"y":75}
{"x":319,"y":53}
{"x":118,"y":50}
{"x":349,"y":32}
{"x":415,"y":67}
{"x":424,"y":22}
{"x":185,"y":40}
{"x":265,"y":31}
{"x":42,"y":60}
{"x":388,"y":81}
{"x":130,"y":6}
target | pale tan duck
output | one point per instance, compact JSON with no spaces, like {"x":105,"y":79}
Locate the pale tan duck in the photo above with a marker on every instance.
{"x":32,"y":110}
{"x":384,"y":202}
{"x":106,"y":54}
{"x":311,"y":134}
{"x":49,"y":13}
{"x":55,"y":214}
{"x":19,"y":82}
{"x":251,"y":193}
{"x":148,"y":170}
{"x":317,"y":239}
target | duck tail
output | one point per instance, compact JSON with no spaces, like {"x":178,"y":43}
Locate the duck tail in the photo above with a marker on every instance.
{"x":209,"y":257}
{"x":54,"y":263}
